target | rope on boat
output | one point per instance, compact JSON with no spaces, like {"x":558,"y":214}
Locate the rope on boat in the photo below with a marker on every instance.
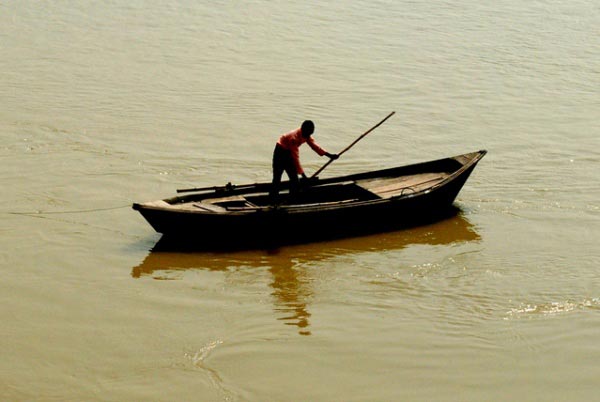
{"x":77,"y":211}
{"x":43,"y":215}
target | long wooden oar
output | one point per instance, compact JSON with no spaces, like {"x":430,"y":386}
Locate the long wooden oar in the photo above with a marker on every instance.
{"x":351,"y":145}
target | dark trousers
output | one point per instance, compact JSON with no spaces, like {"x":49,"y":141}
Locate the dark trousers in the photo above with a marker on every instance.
{"x":283,"y":161}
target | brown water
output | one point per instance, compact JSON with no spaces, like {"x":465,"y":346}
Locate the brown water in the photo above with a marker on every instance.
{"x":102,"y":105}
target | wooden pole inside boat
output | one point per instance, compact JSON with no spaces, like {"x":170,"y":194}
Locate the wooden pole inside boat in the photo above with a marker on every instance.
{"x":227,"y":187}
{"x":353,"y":143}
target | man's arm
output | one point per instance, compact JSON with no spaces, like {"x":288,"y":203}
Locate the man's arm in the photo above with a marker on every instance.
{"x":315,"y":147}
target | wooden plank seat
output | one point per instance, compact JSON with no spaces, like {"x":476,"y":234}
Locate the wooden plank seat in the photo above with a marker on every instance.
{"x":394,"y":186}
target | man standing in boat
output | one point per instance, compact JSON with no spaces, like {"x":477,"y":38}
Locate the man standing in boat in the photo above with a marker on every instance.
{"x":286,"y":156}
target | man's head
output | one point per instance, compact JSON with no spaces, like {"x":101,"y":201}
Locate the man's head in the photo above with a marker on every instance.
{"x":307,"y":128}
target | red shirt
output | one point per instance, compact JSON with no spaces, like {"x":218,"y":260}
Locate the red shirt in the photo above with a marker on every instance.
{"x":292,"y":141}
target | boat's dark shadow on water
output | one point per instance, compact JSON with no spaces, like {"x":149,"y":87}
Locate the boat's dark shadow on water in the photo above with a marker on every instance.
{"x":291,"y":287}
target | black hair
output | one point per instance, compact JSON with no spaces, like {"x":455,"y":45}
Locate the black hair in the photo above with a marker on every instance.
{"x":308,"y":127}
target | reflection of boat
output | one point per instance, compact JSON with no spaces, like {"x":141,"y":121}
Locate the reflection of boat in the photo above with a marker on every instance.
{"x":242,"y":216}
{"x":290,"y":285}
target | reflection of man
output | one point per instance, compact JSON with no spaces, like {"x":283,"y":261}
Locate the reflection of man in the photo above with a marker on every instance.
{"x":286,"y":156}
{"x":291,"y":296}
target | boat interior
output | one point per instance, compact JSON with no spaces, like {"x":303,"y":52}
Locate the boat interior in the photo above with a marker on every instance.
{"x":363,"y":187}
{"x":366,"y":189}
{"x":350,"y":190}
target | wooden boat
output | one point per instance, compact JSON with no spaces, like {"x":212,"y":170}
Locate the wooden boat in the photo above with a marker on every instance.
{"x":243,"y":216}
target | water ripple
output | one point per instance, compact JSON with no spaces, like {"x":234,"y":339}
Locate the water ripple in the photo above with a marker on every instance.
{"x":552,"y":308}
